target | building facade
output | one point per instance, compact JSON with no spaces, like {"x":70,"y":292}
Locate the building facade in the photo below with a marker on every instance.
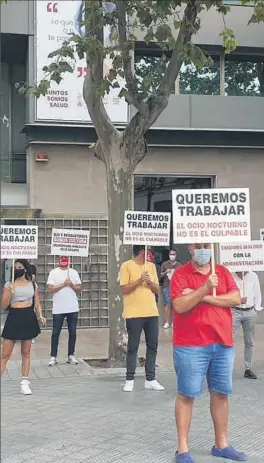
{"x":210,"y":135}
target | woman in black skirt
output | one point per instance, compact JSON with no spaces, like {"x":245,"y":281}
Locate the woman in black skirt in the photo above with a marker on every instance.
{"x":21,"y":298}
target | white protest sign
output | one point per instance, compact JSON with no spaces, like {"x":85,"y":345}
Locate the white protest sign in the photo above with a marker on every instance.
{"x":19,"y":242}
{"x":243,"y":257}
{"x":72,"y":243}
{"x":148,"y":228}
{"x":261,"y":233}
{"x":211,"y":215}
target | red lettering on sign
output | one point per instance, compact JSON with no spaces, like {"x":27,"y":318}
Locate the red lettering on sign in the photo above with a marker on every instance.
{"x":52,"y":7}
{"x":81,"y":71}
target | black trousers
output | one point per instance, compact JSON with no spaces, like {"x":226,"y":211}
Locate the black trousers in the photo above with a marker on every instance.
{"x":150,"y":325}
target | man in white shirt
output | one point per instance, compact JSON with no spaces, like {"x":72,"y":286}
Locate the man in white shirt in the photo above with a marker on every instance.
{"x":245,"y":314}
{"x":64,"y":283}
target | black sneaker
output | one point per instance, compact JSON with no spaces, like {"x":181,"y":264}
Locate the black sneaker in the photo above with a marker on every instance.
{"x":250,"y":375}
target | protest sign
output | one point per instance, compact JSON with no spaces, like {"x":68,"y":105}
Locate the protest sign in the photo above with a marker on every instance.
{"x":19,"y":242}
{"x":147,"y":228}
{"x":261,"y":233}
{"x":211,"y":215}
{"x":72,"y":243}
{"x":243,"y":257}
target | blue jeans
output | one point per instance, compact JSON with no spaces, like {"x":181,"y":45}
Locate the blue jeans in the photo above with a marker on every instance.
{"x":166,"y":296}
{"x":193,"y":364}
{"x":58,"y":320}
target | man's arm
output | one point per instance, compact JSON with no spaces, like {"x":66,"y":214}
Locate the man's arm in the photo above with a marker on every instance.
{"x":226,"y":300}
{"x":54,"y":289}
{"x":257,"y":295}
{"x":74,"y":282}
{"x":231,"y":298}
{"x":130,"y":287}
{"x":190,"y":299}
{"x":75,"y":287}
{"x":151,"y":279}
{"x":153,"y":286}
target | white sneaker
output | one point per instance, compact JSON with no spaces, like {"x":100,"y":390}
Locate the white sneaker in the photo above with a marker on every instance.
{"x":166,"y":326}
{"x":154,"y":385}
{"x":129,"y":385}
{"x":33,"y":341}
{"x":52,"y":362}
{"x":25,"y":389}
{"x":72,"y":360}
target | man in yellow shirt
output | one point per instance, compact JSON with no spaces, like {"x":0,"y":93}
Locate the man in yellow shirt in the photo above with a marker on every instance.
{"x":139,"y":284}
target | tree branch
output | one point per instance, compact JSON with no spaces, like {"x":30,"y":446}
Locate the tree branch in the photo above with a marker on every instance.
{"x":157,"y":102}
{"x":93,"y":81}
{"x":131,"y":94}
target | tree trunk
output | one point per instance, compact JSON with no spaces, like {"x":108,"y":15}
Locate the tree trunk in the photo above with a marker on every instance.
{"x":119,"y":174}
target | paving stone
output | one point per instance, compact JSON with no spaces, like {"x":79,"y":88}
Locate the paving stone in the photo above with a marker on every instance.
{"x":80,"y":419}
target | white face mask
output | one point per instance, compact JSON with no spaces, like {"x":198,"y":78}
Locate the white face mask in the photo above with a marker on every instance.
{"x":172,"y":257}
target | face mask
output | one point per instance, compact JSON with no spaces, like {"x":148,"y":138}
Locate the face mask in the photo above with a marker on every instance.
{"x":202,"y":256}
{"x":172,"y":257}
{"x":63,"y":261}
{"x":19,"y":272}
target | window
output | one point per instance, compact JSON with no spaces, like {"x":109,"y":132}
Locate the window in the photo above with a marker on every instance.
{"x":150,"y":69}
{"x":244,"y":78}
{"x":238,"y":3}
{"x":19,"y":168}
{"x":205,"y":81}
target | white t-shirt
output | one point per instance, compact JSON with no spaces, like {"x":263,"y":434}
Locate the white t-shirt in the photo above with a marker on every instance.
{"x":65,"y":300}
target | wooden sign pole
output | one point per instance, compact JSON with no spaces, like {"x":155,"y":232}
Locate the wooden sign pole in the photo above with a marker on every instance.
{"x":13,"y":271}
{"x":213,"y":264}
{"x":69,"y":267}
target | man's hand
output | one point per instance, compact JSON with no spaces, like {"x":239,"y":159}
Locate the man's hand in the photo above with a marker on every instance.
{"x":212,"y":281}
{"x":68,"y":282}
{"x":243,"y":300}
{"x":146,"y":278}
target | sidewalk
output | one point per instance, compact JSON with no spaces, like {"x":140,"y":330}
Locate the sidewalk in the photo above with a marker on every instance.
{"x":94,"y":344}
{"x":89,"y":419}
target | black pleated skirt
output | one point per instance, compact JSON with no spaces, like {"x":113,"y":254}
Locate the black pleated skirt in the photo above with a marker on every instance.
{"x":21,"y":324}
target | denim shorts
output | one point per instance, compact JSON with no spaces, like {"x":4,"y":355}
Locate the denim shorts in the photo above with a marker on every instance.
{"x":193,"y":364}
{"x":166,"y":296}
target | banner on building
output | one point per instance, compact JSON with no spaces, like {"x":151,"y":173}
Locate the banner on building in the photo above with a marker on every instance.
{"x":55,"y":22}
{"x":261,"y":233}
{"x":19,"y":242}
{"x":243,"y":257}
{"x":147,"y":228}
{"x":211,"y":215}
{"x":72,"y":243}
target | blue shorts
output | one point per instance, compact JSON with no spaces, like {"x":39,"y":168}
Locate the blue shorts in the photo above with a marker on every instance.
{"x":193,"y":364}
{"x":166,"y":296}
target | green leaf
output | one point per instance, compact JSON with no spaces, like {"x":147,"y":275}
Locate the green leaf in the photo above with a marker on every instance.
{"x":163,"y":33}
{"x":43,"y":87}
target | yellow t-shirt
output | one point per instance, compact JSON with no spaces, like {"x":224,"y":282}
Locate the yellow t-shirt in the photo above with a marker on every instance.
{"x":141,"y":302}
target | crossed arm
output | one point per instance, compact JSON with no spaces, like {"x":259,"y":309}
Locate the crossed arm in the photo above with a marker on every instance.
{"x":191,"y":298}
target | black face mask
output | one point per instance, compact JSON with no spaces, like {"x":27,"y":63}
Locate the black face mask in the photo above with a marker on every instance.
{"x":19,"y":272}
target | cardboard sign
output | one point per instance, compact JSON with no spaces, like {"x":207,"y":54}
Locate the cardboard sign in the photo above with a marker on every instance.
{"x":243,"y":257}
{"x":261,"y":233}
{"x":19,"y":242}
{"x":66,"y":242}
{"x":211,"y":215}
{"x":148,"y":228}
